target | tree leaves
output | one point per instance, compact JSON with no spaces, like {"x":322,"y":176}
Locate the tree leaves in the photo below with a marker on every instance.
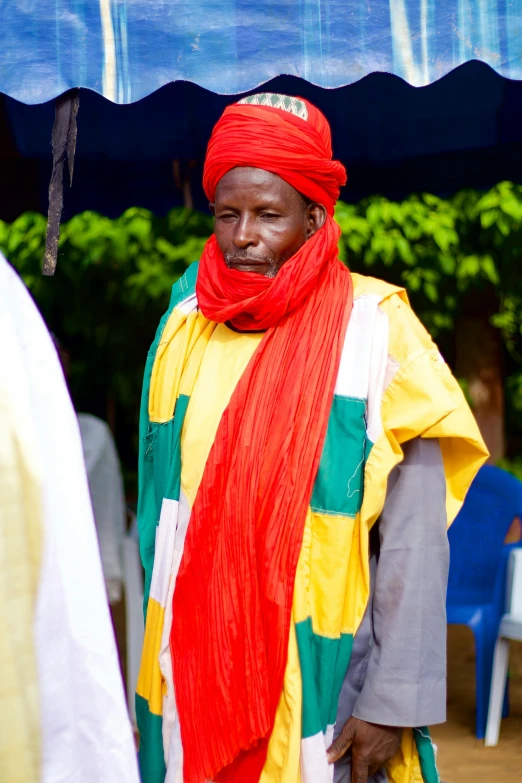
{"x":437,"y":247}
{"x":114,"y":277}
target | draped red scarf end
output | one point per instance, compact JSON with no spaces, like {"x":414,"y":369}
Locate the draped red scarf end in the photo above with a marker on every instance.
{"x":233,"y":598}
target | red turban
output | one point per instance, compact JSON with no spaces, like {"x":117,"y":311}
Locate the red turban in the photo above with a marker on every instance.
{"x":294,"y":143}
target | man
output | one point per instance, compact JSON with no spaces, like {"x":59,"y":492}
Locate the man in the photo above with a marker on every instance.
{"x":63,"y":714}
{"x":105,"y":488}
{"x":303,"y":446}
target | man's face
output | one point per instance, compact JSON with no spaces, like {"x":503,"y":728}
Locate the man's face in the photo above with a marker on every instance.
{"x":261,"y":220}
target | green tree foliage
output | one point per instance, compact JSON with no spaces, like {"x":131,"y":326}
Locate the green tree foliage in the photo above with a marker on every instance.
{"x":441,"y":249}
{"x":104,"y":303}
{"x":114,"y":277}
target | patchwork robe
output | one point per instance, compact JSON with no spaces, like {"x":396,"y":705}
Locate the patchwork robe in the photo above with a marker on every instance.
{"x":393,"y":387}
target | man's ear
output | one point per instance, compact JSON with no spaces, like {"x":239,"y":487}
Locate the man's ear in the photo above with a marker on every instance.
{"x":316,"y":218}
{"x":212,"y":208}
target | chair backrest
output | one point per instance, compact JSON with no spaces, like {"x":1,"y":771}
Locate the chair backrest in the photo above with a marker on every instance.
{"x":477,"y":535}
{"x":514,"y":583}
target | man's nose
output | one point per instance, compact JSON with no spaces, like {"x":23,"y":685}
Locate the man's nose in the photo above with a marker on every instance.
{"x":245,"y":235}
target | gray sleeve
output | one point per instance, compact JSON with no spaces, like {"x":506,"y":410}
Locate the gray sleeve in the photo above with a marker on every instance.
{"x":405,"y":683}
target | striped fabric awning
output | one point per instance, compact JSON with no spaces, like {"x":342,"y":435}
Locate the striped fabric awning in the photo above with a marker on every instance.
{"x":127,"y":49}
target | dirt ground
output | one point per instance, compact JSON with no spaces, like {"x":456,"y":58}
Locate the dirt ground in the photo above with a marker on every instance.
{"x":462,"y":758}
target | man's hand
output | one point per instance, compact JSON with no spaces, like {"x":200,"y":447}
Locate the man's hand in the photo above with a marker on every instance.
{"x":371,"y":745}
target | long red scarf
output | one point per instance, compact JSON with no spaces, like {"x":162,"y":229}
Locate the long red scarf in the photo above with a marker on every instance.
{"x":233,"y":597}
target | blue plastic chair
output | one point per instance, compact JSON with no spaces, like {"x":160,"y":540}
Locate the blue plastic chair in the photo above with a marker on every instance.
{"x":477,"y":575}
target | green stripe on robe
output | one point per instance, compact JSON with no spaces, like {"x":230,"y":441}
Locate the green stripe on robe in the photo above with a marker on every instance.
{"x":323,"y":663}
{"x":338,"y":487}
{"x":152,"y":764}
{"x":426,"y":751}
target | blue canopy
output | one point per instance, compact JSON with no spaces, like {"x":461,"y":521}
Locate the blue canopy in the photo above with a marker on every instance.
{"x":127,"y":49}
{"x":463,"y":131}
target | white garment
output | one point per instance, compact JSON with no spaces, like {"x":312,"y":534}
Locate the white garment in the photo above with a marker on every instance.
{"x":107,"y":496}
{"x":85,"y":729}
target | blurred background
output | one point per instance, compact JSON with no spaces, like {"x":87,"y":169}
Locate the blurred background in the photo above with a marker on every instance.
{"x":433,"y":203}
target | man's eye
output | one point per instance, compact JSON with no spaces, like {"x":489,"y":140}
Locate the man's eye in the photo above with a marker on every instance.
{"x":227,"y":216}
{"x":270,"y":215}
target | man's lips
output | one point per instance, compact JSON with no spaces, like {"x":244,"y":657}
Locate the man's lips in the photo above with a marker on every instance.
{"x":238,"y":262}
{"x":247,"y":261}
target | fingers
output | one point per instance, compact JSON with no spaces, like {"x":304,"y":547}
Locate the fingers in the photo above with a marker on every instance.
{"x":343,"y":742}
{"x":359,"y":770}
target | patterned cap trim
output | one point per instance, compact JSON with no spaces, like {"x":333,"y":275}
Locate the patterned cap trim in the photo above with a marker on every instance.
{"x":285,"y":102}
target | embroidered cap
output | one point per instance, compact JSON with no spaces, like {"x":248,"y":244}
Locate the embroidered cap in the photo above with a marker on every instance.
{"x":295,"y":106}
